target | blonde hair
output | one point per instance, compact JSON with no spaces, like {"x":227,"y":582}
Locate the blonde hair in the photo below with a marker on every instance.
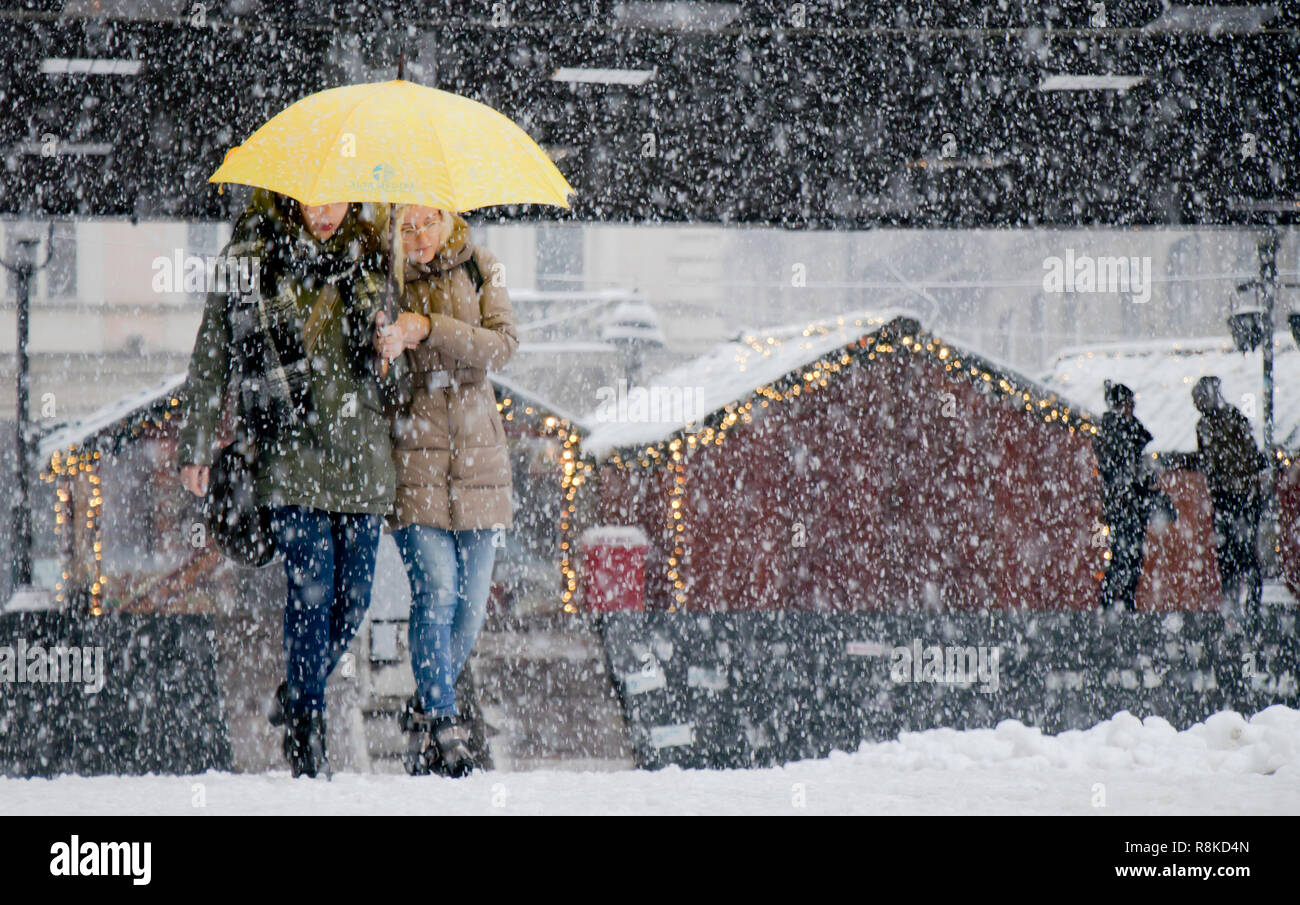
{"x":399,"y":214}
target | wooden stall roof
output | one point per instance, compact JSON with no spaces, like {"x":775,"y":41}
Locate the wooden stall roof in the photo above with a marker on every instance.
{"x":109,"y":425}
{"x":112,"y":422}
{"x":784,"y":361}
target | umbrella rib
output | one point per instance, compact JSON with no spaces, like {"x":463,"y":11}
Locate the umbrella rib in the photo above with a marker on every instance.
{"x":442,"y":152}
{"x":347,"y":117}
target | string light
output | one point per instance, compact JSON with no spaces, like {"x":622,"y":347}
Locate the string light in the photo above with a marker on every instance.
{"x":66,"y":470}
{"x":810,"y":377}
{"x":78,"y":464}
{"x":676,"y":529}
{"x":574,"y":472}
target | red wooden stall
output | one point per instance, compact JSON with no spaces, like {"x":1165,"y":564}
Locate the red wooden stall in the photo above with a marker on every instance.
{"x":897,"y":472}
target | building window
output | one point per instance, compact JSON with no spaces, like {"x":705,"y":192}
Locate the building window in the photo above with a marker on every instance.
{"x":61,"y":273}
{"x":14,"y":232}
{"x":1183,"y":295}
{"x":202,"y":238}
{"x":560,"y":257}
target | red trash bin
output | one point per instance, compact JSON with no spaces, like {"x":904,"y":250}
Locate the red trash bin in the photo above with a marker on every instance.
{"x":614,"y":568}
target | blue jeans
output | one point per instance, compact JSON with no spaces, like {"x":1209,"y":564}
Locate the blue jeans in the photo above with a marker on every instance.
{"x":451,"y":575}
{"x":329,"y":562}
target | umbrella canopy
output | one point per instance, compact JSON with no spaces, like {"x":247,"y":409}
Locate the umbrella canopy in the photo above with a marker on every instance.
{"x":395,"y":142}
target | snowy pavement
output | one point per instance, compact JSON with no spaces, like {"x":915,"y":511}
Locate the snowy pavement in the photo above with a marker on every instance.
{"x":1227,"y":765}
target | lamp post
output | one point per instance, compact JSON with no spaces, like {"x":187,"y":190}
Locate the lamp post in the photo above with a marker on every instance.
{"x":1253,"y":327}
{"x":1268,"y":297}
{"x":23,"y":269}
{"x":22,"y":563}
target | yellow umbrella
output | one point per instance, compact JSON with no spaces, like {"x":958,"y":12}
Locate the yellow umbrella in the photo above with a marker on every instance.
{"x":400,"y":143}
{"x":396,"y":142}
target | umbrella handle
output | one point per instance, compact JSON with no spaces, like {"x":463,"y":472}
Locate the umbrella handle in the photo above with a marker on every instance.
{"x":390,"y":283}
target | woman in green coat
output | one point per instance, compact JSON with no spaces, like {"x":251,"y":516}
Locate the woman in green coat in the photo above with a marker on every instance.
{"x":298,"y":348}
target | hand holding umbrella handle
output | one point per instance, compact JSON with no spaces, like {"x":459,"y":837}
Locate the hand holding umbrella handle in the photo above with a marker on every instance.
{"x":382,"y":329}
{"x":390,"y":284}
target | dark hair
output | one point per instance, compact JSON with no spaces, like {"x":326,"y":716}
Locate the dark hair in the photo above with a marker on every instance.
{"x":1117,"y":394}
{"x":1205,"y":394}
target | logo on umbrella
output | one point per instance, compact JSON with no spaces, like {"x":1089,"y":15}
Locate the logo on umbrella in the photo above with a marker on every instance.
{"x":383,"y":178}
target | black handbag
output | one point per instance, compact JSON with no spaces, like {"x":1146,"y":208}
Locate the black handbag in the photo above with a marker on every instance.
{"x":239,"y":527}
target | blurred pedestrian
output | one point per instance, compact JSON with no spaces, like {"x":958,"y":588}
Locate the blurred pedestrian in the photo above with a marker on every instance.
{"x":1127,"y":489}
{"x":1231,"y":463}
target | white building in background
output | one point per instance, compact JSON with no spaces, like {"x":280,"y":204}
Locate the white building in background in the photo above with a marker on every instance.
{"x":100,"y":330}
{"x":1163,"y":373}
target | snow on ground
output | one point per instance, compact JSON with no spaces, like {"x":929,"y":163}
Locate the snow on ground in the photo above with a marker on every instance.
{"x":1226,"y":765}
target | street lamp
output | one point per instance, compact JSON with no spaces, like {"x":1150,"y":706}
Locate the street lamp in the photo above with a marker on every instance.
{"x":1247,"y":325}
{"x":23,"y":270}
{"x":1252,"y":326}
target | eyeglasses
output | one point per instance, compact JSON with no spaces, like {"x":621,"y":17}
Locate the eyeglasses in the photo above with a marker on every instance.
{"x":408,"y":231}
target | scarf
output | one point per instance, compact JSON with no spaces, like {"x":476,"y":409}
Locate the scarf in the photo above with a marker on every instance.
{"x":272,"y":340}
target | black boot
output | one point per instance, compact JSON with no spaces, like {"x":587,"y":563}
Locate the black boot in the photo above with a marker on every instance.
{"x":279,"y":714}
{"x":304,"y":745}
{"x":422,"y":756}
{"x":451,"y":737}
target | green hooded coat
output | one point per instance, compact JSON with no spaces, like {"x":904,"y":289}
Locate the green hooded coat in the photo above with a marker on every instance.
{"x":340,"y":458}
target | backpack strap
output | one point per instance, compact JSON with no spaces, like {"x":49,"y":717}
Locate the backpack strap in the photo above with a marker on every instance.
{"x":475,"y":273}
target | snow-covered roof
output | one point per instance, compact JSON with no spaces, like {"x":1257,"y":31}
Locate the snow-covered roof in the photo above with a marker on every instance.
{"x":518,"y":391}
{"x":1162,"y":373}
{"x":731,"y":371}
{"x":77,"y":433}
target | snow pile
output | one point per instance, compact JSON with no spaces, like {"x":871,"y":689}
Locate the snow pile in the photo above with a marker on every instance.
{"x":1227,"y":764}
{"x":1267,"y":743}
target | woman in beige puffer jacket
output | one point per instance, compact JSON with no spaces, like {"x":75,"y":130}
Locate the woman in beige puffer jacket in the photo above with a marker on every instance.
{"x":453,"y":466}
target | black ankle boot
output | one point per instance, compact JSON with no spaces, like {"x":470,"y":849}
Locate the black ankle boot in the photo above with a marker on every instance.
{"x":304,"y":745}
{"x":279,"y":714}
{"x":451,"y":737}
{"x":422,"y":756}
